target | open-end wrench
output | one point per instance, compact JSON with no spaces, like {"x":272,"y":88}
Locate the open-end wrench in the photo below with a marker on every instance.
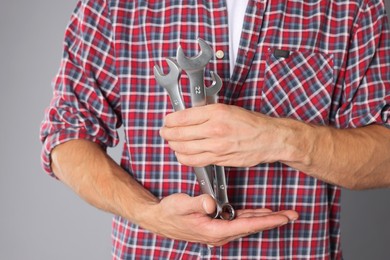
{"x":170,"y":82}
{"x":220,"y":187}
{"x":194,"y":67}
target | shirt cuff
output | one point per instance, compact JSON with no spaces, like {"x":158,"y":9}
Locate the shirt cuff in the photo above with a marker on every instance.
{"x":60,"y":137}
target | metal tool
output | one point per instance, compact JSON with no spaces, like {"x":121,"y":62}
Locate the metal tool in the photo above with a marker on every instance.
{"x":194,"y":68}
{"x":220,"y":187}
{"x":171,"y":84}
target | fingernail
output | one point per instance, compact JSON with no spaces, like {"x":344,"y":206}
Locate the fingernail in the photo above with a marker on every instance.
{"x":204,"y":204}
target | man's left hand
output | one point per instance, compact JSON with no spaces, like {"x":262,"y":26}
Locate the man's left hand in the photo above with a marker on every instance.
{"x":224,"y":135}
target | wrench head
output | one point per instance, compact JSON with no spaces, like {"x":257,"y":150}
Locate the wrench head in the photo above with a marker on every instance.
{"x":170,"y":79}
{"x":197,"y":62}
{"x":227,"y":212}
{"x":215,"y":86}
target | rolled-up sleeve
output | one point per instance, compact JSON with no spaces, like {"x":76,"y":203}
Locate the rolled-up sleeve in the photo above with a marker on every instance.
{"x":85,"y":103}
{"x":366,"y":88}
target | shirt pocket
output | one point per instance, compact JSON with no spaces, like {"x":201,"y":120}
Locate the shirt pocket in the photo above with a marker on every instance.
{"x":298,"y":84}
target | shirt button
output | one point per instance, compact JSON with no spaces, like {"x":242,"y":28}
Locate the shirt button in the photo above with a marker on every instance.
{"x":220,"y":54}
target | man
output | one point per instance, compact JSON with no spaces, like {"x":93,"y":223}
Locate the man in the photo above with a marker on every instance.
{"x":304,"y":108}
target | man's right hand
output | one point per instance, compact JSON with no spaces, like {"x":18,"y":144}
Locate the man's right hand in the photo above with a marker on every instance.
{"x":182,"y":217}
{"x":96,"y":178}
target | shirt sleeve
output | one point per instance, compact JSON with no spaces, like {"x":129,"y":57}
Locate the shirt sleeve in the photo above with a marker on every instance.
{"x":85,"y":103}
{"x":366,"y":89}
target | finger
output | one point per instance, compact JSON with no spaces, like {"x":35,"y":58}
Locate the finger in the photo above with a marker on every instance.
{"x":252,"y":215}
{"x":258,"y":214}
{"x":245,"y":211}
{"x":200,"y":146}
{"x":185,"y":133}
{"x":189,"y":147}
{"x":203,"y":204}
{"x":231,"y":233}
{"x":245,"y":226}
{"x":198,"y":160}
{"x":190,"y":116}
{"x":290,"y":214}
{"x":205,"y":158}
{"x":253,"y":212}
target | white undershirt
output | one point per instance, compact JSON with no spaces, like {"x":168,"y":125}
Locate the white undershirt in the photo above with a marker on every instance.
{"x":236,"y":12}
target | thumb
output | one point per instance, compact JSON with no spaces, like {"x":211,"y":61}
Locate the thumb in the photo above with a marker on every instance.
{"x":204,"y":204}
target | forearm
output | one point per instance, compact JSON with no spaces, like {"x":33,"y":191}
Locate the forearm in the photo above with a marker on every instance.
{"x":96,"y":178}
{"x":352,"y":158}
{"x":231,"y":136}
{"x":86,"y":168}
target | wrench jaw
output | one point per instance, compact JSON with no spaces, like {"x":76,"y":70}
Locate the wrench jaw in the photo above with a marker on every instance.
{"x":194,"y":67}
{"x":213,"y":90}
{"x":170,"y":82}
{"x":173,"y":76}
{"x":197,"y":62}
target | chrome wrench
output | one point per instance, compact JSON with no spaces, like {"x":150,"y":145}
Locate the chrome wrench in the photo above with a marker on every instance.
{"x":194,"y":67}
{"x":220,"y":187}
{"x":170,"y":82}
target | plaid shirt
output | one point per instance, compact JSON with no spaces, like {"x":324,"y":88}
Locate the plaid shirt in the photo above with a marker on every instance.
{"x":334,"y":70}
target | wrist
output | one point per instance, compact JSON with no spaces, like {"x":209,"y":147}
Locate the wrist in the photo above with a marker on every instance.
{"x":142,"y":207}
{"x":300,"y":141}
{"x":125,"y":195}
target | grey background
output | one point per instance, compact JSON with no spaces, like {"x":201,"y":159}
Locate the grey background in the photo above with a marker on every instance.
{"x":40,"y":218}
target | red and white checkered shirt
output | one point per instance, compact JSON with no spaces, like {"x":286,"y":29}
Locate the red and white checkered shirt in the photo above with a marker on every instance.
{"x":321,"y":62}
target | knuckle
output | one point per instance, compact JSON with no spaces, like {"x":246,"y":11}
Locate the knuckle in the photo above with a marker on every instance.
{"x":177,"y":133}
{"x":221,"y":109}
{"x":182,"y":148}
{"x":218,"y":130}
{"x":220,"y":147}
{"x":192,"y":161}
{"x":223,"y":112}
{"x":183,"y":159}
{"x":178,"y":147}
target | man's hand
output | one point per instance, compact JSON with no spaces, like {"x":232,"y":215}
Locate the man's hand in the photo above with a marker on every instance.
{"x":95,"y":177}
{"x":232,"y":136}
{"x":224,"y":135}
{"x":182,"y":217}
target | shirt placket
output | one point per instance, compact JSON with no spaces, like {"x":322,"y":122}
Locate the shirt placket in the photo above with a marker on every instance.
{"x":248,"y":44}
{"x":250,"y":37}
